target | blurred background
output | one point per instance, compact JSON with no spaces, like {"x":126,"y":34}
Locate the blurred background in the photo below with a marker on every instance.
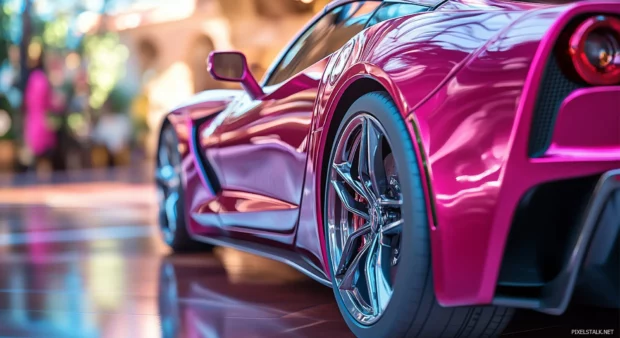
{"x":84,"y":86}
{"x":86,"y":83}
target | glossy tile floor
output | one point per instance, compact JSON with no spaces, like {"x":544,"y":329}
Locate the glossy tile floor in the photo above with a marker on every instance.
{"x":80,"y":256}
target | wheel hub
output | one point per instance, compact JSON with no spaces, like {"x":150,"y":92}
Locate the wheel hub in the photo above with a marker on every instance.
{"x":377,"y":218}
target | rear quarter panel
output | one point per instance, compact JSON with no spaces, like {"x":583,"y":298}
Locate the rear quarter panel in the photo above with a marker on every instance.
{"x":466,"y":129}
{"x":411,"y":57}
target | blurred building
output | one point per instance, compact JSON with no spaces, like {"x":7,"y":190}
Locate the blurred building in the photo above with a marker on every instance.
{"x":169,"y":41}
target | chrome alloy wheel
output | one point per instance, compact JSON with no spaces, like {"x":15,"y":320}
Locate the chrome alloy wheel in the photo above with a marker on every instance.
{"x":364,"y":220}
{"x":168,"y":180}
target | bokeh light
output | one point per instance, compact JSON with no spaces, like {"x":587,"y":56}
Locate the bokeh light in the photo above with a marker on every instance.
{"x":5,"y":122}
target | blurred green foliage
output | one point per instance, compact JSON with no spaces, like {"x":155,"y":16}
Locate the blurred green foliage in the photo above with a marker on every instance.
{"x":106,"y":65}
{"x":4,"y":30}
{"x":4,"y":54}
{"x":55,"y":32}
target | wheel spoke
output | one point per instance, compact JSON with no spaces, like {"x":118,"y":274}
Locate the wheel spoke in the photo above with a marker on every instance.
{"x":344,"y":171}
{"x":168,"y":142}
{"x":393,"y":228}
{"x":376,"y":168}
{"x":164,"y":157}
{"x":160,"y":176}
{"x":370,"y":275}
{"x":371,"y":171}
{"x":171,"y":210}
{"x":349,"y":248}
{"x":167,"y":176}
{"x":362,"y":169}
{"x":377,"y":272}
{"x":175,"y":156}
{"x":349,"y":275}
{"x":168,"y":170}
{"x":348,"y":201}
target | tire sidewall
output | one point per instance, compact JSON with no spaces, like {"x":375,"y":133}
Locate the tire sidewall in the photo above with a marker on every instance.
{"x":414,"y":264}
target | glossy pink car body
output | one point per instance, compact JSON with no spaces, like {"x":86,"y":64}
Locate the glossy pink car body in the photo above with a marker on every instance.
{"x":467,"y":78}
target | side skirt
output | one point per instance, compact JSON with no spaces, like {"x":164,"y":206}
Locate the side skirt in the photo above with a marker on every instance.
{"x":292,"y":259}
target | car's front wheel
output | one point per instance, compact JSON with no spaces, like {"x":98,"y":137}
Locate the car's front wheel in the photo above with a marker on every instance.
{"x":170,"y":195}
{"x":377,"y":233}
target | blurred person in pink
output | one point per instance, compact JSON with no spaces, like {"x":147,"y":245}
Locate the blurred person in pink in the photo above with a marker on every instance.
{"x":39,"y":134}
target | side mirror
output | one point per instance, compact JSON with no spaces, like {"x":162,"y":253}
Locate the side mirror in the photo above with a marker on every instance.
{"x":233,"y":67}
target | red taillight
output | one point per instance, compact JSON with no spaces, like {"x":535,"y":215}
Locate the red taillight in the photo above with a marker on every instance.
{"x":595,"y":50}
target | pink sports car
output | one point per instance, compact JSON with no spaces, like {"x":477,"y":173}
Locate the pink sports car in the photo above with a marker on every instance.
{"x":438,"y":163}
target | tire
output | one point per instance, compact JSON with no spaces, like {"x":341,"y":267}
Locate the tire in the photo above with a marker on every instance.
{"x":412,"y":310}
{"x":172,"y":221}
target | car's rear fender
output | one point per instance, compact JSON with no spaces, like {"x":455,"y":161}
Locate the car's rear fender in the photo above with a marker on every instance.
{"x":381,"y":58}
{"x":411,"y":58}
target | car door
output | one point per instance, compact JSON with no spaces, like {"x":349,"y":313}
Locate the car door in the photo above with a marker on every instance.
{"x":261,"y":155}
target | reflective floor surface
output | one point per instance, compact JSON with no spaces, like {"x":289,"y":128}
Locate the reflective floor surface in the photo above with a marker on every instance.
{"x":80,"y":256}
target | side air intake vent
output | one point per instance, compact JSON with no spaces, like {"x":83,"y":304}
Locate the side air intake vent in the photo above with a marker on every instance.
{"x":555,"y":87}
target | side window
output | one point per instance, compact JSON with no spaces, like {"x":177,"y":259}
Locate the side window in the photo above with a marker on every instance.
{"x":323,"y":38}
{"x":395,"y":10}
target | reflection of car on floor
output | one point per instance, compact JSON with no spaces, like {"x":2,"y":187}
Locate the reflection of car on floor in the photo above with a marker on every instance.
{"x":30,"y":311}
{"x":437,"y":163}
{"x":199,"y":301}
